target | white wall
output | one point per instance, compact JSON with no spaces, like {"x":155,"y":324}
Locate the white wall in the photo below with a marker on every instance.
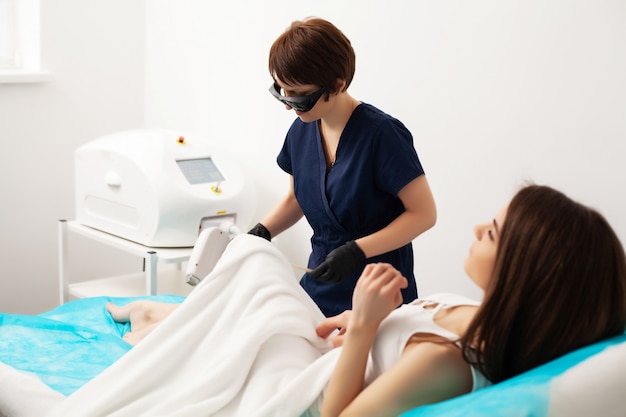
{"x":94,"y":51}
{"x":494,"y":92}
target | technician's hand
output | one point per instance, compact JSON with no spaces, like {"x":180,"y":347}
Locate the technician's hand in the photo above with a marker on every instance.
{"x":377,"y":293}
{"x":339,"y":263}
{"x":260,"y":231}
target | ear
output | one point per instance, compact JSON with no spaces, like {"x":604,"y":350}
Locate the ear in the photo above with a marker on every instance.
{"x":340,"y":85}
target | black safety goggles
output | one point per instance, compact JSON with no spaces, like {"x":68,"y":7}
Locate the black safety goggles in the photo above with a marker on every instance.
{"x":300,"y":103}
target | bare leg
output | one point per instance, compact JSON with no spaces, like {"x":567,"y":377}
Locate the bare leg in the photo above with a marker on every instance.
{"x":143,"y":315}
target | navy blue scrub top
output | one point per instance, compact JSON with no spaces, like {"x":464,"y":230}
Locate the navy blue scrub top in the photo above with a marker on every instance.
{"x":358,"y":196}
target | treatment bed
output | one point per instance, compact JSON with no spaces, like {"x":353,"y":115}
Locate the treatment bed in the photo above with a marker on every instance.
{"x":73,"y":358}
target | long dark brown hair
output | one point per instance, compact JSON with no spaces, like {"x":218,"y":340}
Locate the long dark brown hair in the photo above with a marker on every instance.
{"x":559,"y":283}
{"x":313,"y":51}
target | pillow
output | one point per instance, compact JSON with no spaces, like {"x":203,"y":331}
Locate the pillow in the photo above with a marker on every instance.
{"x":587,"y":381}
{"x":595,"y":387}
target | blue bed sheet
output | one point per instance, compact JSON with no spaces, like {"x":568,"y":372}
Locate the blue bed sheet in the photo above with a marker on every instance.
{"x":69,"y":345}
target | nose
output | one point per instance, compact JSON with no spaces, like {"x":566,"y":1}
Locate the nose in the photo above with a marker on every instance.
{"x":479,"y":230}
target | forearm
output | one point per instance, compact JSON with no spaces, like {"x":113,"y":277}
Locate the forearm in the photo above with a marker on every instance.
{"x":396,"y":234}
{"x":347,"y":380}
{"x":420,"y":215}
{"x":284,"y":215}
{"x":377,"y":293}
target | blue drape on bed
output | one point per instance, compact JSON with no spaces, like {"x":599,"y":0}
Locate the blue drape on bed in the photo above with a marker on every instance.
{"x":69,"y":345}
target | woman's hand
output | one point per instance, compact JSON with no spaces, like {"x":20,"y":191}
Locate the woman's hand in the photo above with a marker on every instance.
{"x":337,"y":323}
{"x":377,"y":293}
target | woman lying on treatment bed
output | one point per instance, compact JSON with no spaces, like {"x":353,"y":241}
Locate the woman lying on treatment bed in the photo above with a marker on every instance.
{"x":554,"y":278}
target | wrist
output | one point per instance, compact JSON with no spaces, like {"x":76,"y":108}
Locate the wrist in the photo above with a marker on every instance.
{"x":261,"y":231}
{"x":360,"y":248}
{"x":361,"y":336}
{"x":361,"y":328}
{"x":356,"y":253}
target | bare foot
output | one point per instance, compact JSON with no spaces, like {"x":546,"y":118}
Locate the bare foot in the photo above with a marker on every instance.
{"x":143,"y":315}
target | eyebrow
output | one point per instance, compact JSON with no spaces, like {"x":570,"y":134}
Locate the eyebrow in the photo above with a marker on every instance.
{"x":495,"y":225}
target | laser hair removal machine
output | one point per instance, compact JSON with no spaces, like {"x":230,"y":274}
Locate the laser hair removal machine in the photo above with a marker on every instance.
{"x":161,"y":188}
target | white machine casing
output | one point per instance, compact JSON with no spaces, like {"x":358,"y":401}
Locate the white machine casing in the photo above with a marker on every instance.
{"x":160,"y":188}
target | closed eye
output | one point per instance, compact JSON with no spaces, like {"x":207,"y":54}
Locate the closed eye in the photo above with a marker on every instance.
{"x":491,"y":233}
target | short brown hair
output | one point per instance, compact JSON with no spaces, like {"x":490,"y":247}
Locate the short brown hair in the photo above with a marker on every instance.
{"x":313,"y":51}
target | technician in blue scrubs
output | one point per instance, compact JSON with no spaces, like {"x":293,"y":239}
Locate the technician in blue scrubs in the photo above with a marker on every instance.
{"x":355,"y":174}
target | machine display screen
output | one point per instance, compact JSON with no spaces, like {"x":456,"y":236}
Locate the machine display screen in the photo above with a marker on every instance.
{"x":200,"y":170}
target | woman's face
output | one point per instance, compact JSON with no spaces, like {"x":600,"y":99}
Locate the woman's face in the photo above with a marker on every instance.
{"x":480,"y":263}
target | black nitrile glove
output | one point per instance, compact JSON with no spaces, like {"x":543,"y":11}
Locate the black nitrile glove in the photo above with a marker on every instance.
{"x":260,"y":231}
{"x":339,"y":263}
